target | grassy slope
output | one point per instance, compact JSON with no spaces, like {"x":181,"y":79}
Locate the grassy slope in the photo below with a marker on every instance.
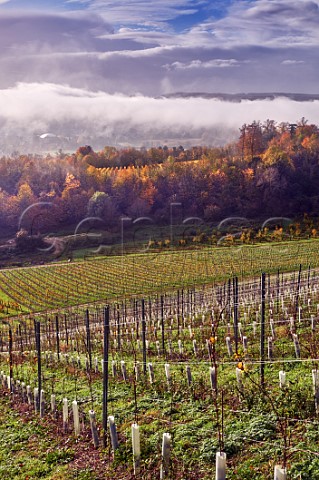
{"x":103,"y":278}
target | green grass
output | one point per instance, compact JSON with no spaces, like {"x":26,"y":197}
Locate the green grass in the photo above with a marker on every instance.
{"x":28,"y":449}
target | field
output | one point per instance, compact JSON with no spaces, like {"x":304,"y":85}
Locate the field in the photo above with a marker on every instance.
{"x":104,"y":279}
{"x":192,"y":343}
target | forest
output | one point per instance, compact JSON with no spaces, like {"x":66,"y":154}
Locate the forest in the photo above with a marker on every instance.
{"x":271,"y":170}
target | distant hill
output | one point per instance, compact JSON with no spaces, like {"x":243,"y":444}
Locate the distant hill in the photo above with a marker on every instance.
{"x":238,"y":97}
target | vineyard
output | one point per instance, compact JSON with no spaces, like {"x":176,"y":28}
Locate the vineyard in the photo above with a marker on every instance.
{"x":179,"y":366}
{"x":105,"y":279}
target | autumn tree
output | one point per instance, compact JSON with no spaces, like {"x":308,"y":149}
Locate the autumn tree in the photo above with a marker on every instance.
{"x":73,"y":202}
{"x":101,"y":205}
{"x":250,"y":142}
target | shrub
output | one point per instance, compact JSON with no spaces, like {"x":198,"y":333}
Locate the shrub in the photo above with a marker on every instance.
{"x":28,"y":243}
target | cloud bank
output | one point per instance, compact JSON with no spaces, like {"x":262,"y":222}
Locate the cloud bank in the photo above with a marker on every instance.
{"x":98,"y":118}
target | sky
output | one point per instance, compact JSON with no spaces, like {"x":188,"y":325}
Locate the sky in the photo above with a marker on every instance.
{"x":100,"y":52}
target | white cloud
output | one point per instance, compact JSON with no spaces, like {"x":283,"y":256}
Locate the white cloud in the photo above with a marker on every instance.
{"x":292,"y":62}
{"x":27,"y":109}
{"x":196,"y":64}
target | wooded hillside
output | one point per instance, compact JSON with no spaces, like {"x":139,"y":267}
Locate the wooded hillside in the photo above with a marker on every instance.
{"x":272,"y":170}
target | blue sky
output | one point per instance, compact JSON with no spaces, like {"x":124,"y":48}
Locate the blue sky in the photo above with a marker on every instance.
{"x":162,"y":46}
{"x":146,"y":49}
{"x":178,"y":15}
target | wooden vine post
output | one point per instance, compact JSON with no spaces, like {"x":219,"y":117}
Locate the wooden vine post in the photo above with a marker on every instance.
{"x":66,"y":330}
{"x":162,"y":325}
{"x":262,"y":331}
{"x":10,"y":357}
{"x":105,"y":369}
{"x":88,"y":337}
{"x":278,"y":290}
{"x":228,"y":300}
{"x":38,"y":348}
{"x":118,"y":321}
{"x":144,"y":336}
{"x":298,"y":291}
{"x":235,"y":291}
{"x":10,"y":353}
{"x":57,"y":337}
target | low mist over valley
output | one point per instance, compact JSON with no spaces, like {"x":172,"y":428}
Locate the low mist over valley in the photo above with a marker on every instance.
{"x":43,"y":118}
